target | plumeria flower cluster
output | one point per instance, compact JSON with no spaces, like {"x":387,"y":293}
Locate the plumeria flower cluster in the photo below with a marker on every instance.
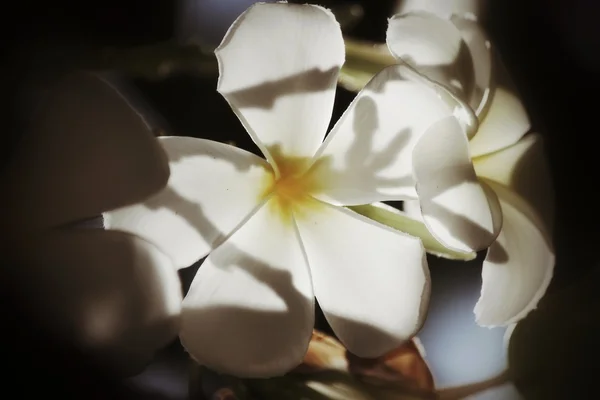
{"x":277,"y":230}
{"x":84,"y":151}
{"x":444,"y":40}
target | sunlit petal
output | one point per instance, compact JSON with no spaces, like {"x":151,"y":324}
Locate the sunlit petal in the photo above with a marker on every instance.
{"x":84,"y":151}
{"x":432,"y":45}
{"x":114,"y":295}
{"x":453,"y":203}
{"x":517,"y":269}
{"x":504,"y":121}
{"x":524,"y":169}
{"x":423,"y":39}
{"x":372,"y":282}
{"x":213,"y":187}
{"x":442,"y":8}
{"x":250,"y":310}
{"x":278,"y":67}
{"x":453,"y":52}
{"x":368,"y":157}
{"x":482,"y":58}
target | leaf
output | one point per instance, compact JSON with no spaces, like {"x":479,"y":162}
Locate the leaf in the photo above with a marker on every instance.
{"x":363,"y":61}
{"x":397,"y":220}
{"x":555,"y":348}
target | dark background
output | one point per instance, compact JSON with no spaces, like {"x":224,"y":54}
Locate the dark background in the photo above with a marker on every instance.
{"x":551,"y":48}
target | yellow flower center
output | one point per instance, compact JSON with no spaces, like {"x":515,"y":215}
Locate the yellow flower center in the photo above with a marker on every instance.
{"x":292,"y":190}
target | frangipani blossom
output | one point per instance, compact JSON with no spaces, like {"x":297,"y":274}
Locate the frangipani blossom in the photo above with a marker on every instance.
{"x":455,"y":52}
{"x":276,"y":229}
{"x":443,"y":8}
{"x":84,"y":151}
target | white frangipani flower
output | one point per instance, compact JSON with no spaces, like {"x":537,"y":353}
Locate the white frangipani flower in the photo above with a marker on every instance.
{"x":456,"y":52}
{"x":276,"y":229}
{"x":84,"y":151}
{"x":443,"y":8}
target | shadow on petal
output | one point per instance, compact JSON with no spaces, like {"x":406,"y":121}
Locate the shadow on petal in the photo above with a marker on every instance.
{"x":266,"y":94}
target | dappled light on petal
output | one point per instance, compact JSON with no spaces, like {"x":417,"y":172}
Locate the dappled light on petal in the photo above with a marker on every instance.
{"x":81,"y":139}
{"x":454,"y":205}
{"x":250,"y":309}
{"x":278,"y":67}
{"x":367,"y":157}
{"x":423,"y":39}
{"x":213,"y":187}
{"x":504,"y":120}
{"x":442,"y":8}
{"x":482,"y":58}
{"x":111,"y":294}
{"x":524,"y":169}
{"x":432,"y":45}
{"x":372,"y":282}
{"x":453,"y":52}
{"x":516,"y":271}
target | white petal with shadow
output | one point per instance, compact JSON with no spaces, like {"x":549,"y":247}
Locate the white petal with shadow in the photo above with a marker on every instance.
{"x":517,"y":270}
{"x":524,"y":169}
{"x":504,"y":120}
{"x":443,"y":8}
{"x":368,"y":157}
{"x":114,"y":295}
{"x":250,"y":309}
{"x":423,"y":39}
{"x":454,"y":205}
{"x":432,"y":45}
{"x":213,"y":187}
{"x":482,"y":58}
{"x":85,"y":151}
{"x":371,"y":281}
{"x":278,"y":66}
{"x":453,"y":52}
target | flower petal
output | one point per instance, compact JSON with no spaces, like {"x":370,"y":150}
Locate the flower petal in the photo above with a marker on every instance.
{"x":110,"y":293}
{"x":505,"y":120}
{"x":454,"y":205}
{"x":482,"y":58}
{"x":278,"y":68}
{"x":371,"y":281}
{"x":250,"y":309}
{"x":213,"y":187}
{"x":517,"y":269}
{"x":423,"y":39}
{"x":442,"y":8}
{"x":523,"y":168}
{"x":367,"y":157}
{"x":85,"y":151}
{"x":433,"y":46}
{"x":455,"y":53}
